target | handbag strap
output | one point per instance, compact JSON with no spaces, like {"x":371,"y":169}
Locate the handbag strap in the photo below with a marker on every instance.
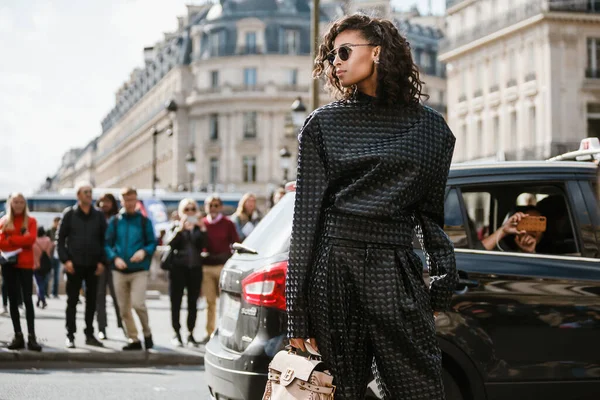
{"x":327,"y":390}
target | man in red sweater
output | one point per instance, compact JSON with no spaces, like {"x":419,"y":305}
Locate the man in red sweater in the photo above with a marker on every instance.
{"x":221,"y":235}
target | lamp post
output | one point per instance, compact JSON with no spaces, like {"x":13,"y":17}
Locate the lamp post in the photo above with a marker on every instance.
{"x":284,"y":162}
{"x":298,"y":112}
{"x":171,"y":107}
{"x":190,"y":164}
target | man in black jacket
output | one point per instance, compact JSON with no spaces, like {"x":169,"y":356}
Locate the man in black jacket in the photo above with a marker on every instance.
{"x":81,"y":249}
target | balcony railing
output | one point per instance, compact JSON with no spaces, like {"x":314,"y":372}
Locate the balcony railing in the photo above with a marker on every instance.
{"x":450,"y":3}
{"x":586,"y":6}
{"x":246,"y":50}
{"x":493,"y":24}
{"x":592,"y":73}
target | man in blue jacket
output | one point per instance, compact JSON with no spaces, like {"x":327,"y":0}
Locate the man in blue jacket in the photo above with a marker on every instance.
{"x":129,"y":244}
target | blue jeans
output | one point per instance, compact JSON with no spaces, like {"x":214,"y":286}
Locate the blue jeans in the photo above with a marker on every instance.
{"x":55,"y":276}
{"x":41,"y":282}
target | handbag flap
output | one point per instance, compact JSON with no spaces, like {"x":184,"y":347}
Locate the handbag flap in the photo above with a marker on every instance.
{"x":292,"y":366}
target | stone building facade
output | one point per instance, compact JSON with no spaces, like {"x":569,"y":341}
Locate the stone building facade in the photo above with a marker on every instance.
{"x":523,"y":79}
{"x":233,"y":69}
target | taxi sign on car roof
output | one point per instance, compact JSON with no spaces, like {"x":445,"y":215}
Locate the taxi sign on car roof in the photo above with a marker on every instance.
{"x":589,"y":150}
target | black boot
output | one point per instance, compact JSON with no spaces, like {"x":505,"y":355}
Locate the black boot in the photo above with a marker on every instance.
{"x":191,"y":341}
{"x":18,"y":343}
{"x":32,"y":344}
{"x":148,"y":342}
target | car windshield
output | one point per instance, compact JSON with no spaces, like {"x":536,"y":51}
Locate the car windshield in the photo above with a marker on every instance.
{"x":272,"y":234}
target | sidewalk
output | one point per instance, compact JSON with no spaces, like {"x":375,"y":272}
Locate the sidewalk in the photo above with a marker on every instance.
{"x":50,"y":330}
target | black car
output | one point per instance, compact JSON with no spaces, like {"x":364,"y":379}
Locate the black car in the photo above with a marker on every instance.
{"x":522,"y":325}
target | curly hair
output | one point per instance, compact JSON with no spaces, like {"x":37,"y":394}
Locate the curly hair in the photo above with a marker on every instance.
{"x":398,"y":81}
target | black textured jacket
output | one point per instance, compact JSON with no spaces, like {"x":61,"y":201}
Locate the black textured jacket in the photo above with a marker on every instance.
{"x":383,"y":163}
{"x":189,"y":245}
{"x":80,"y":237}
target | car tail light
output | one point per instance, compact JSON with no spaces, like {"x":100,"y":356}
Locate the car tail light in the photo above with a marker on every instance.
{"x":266,"y":287}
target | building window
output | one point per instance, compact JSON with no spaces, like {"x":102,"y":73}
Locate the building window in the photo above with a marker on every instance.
{"x":214,"y":170}
{"x":425,"y":60}
{"x":478,"y":80}
{"x":496,"y":133}
{"x":593,"y":120}
{"x":441,"y":97}
{"x":291,"y":42}
{"x":250,"y":76}
{"x":214,"y":79}
{"x":216,"y":43}
{"x":213,"y":126}
{"x":250,"y":125}
{"x":494,"y":74}
{"x":512,"y":68}
{"x":249,"y":169}
{"x":513,"y":130}
{"x":593,"y":45}
{"x":532,"y":125}
{"x":251,"y":43}
{"x":479,"y":142}
{"x":293,"y":77}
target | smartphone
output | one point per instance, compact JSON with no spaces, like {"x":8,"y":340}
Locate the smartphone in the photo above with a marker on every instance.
{"x":532,"y":224}
{"x":192,"y":219}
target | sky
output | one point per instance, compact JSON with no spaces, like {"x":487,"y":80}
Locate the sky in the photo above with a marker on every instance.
{"x":62,"y":62}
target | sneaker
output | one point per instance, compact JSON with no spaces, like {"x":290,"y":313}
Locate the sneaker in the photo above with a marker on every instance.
{"x":32,"y":344}
{"x":92,"y":341}
{"x":191,"y":340}
{"x":18,"y":343}
{"x":177,"y":341}
{"x":70,"y":342}
{"x":133,"y":346}
{"x":102,"y":334}
{"x":148,"y":343}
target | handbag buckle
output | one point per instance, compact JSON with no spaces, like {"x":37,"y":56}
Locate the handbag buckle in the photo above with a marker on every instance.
{"x":287,"y":376}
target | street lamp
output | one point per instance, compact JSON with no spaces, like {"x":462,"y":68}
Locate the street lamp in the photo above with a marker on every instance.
{"x":190,"y":164}
{"x":298,"y":112}
{"x":284,"y":162}
{"x":171,"y":107}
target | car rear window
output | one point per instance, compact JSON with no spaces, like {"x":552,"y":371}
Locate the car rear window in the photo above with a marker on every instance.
{"x":272,"y":235}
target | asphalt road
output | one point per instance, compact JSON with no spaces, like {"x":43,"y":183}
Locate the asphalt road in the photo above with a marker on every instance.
{"x":181,"y":383}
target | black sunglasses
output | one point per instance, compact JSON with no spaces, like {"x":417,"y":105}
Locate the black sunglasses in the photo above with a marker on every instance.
{"x":189,"y":209}
{"x":343,"y":52}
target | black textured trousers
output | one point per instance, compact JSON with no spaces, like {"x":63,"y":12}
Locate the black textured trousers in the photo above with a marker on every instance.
{"x":369,"y":309}
{"x":18,"y":282}
{"x":179,"y":279}
{"x":74,"y":282}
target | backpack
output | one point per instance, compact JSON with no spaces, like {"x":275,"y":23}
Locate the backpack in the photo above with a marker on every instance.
{"x":45,"y":263}
{"x":144,"y":234}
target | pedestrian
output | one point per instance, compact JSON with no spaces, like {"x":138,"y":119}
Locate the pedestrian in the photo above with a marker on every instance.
{"x":55,"y":274}
{"x":43,"y":248}
{"x":186,"y":270}
{"x":81,"y":250}
{"x":372,"y":168}
{"x":221,"y":235}
{"x":108,"y":205}
{"x":130,"y":243}
{"x":247,"y":216}
{"x":18,"y":232}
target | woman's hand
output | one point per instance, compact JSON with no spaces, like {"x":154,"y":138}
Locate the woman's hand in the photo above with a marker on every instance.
{"x":299,"y":343}
{"x":526,"y":243}
{"x":510,"y":226}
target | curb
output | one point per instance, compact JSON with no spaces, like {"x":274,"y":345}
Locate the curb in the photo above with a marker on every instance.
{"x":25,"y":358}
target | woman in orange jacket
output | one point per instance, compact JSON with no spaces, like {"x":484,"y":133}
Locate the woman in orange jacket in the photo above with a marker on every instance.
{"x":18,"y":233}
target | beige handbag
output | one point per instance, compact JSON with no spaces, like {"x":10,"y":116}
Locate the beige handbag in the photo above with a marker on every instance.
{"x":294,"y":377}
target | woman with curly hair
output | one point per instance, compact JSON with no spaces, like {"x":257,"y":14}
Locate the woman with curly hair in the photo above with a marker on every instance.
{"x":372,"y":169}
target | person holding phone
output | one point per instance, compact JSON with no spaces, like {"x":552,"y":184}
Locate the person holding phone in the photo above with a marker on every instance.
{"x":510,"y":238}
{"x":186,"y":273}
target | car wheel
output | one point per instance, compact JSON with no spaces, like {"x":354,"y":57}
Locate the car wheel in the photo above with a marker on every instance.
{"x":451,"y":388}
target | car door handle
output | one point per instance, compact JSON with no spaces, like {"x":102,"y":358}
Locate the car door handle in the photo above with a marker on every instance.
{"x":471,"y":283}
